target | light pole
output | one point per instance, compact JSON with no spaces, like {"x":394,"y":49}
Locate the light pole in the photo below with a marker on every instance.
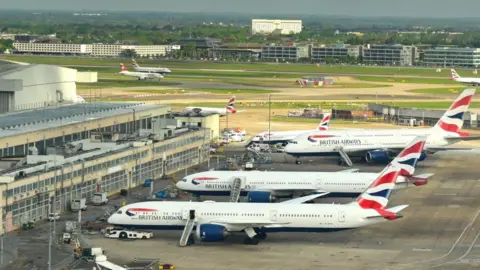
{"x":269,"y":115}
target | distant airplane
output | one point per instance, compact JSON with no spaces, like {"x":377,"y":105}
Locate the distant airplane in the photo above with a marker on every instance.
{"x":161,"y":71}
{"x":274,"y":137}
{"x":139,"y":75}
{"x":79,"y":99}
{"x":230,"y":108}
{"x":457,"y":78}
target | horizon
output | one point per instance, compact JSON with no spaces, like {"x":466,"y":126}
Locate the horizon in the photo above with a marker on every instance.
{"x":308,"y":8}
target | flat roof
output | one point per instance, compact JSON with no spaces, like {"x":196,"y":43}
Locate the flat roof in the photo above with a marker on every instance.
{"x":6,"y":66}
{"x":54,"y":117}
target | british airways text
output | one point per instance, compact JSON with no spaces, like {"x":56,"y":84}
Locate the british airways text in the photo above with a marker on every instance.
{"x":344,"y":142}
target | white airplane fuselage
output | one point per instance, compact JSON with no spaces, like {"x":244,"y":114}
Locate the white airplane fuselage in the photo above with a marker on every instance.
{"x":282,"y":184}
{"x":472,"y":81}
{"x":220,"y":111}
{"x":278,"y":136}
{"x":292,"y":217}
{"x":141,"y":75}
{"x":152,"y":70}
{"x":353,"y":141}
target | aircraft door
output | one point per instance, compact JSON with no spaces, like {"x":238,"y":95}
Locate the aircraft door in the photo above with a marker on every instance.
{"x":318,"y":183}
{"x":188,"y":213}
{"x":341,"y":216}
{"x":273,"y":215}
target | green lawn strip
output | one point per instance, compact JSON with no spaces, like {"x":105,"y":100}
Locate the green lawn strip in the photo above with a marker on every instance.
{"x":310,"y":120}
{"x":440,"y":91}
{"x":406,"y":80}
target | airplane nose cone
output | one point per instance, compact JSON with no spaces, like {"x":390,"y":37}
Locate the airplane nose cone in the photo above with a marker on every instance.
{"x":179,"y":185}
{"x":110,"y":219}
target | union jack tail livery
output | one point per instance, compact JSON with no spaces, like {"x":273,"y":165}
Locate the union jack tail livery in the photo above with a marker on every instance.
{"x":324,"y":124}
{"x":134,"y":63}
{"x":375,"y":198}
{"x":122,"y":66}
{"x":454,"y":74}
{"x":231,"y":105}
{"x":408,"y":158}
{"x":452,"y":120}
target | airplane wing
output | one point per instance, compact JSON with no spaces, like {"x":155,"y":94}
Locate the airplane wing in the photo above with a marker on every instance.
{"x":349,"y":171}
{"x":303,"y":199}
{"x":467,"y":138}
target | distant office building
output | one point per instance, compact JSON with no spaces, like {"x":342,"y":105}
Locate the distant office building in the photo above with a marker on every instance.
{"x":284,"y":27}
{"x":394,"y":55}
{"x":336,"y":52}
{"x":445,"y":56}
{"x":107,"y":50}
{"x":284,"y":53}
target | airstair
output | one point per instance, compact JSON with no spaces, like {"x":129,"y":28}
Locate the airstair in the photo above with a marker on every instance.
{"x":101,"y":260}
{"x":344,"y":156}
{"x":189,"y":215}
{"x":237,"y":186}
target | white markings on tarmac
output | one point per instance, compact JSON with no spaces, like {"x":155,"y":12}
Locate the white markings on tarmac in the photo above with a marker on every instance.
{"x":445,"y":194}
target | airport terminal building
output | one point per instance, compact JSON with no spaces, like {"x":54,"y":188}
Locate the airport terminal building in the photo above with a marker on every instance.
{"x":452,"y":57}
{"x":52,"y":155}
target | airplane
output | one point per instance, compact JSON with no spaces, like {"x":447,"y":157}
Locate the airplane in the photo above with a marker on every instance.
{"x":457,"y":78}
{"x":230,"y":108}
{"x":285,"y":136}
{"x":213,"y":221}
{"x":161,"y":71}
{"x":139,"y":75}
{"x":379,"y":145}
{"x":265,"y":186}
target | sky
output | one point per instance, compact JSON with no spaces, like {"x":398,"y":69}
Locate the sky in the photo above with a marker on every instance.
{"x":370,"y":8}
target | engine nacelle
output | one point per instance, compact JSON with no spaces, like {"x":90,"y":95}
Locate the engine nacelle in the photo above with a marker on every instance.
{"x":377,"y":157}
{"x":261,"y":197}
{"x":423,"y":156}
{"x":211,"y":232}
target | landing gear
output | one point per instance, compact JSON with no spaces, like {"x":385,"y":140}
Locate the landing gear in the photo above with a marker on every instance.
{"x":297,"y":161}
{"x":261,"y":236}
{"x":341,"y":162}
{"x":251,"y":241}
{"x":191,"y":240}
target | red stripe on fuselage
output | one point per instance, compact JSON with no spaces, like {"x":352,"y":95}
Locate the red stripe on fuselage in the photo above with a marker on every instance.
{"x":141,"y":210}
{"x":205,"y":178}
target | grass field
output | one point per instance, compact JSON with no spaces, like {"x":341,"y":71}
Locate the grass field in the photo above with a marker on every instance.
{"x":122,"y":83}
{"x":310,"y":120}
{"x":271,"y":67}
{"x":213,"y":91}
{"x":338,"y":105}
{"x":439,"y":91}
{"x":406,"y":80}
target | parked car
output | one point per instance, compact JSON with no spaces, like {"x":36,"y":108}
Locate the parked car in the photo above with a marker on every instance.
{"x":53,"y":216}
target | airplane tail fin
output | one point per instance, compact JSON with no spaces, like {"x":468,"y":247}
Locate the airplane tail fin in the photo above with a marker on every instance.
{"x":376,"y":196}
{"x":123,"y":67}
{"x":325,"y":121}
{"x":454,"y":74}
{"x":452,"y":120}
{"x":231,"y":105}
{"x":407,"y":159}
{"x":134,"y":63}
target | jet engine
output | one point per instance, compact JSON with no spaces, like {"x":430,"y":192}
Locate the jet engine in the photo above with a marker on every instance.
{"x":377,"y":157}
{"x":211,"y":232}
{"x":261,"y":197}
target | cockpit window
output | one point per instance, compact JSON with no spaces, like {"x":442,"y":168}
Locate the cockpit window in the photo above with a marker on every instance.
{"x":292,"y":142}
{"x":119,"y":212}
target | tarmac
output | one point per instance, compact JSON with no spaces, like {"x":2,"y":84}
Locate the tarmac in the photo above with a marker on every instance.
{"x":440,"y":229}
